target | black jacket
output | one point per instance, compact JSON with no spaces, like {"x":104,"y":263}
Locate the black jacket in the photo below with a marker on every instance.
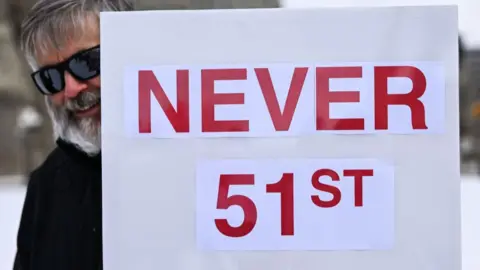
{"x":61,"y":222}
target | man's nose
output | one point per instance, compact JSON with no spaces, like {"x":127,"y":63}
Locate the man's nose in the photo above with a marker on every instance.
{"x":72,"y":86}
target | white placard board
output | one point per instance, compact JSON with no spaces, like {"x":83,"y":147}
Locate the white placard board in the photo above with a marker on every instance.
{"x":281,"y":139}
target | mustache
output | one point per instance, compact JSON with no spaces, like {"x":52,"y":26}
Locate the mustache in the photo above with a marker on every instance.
{"x":83,"y":100}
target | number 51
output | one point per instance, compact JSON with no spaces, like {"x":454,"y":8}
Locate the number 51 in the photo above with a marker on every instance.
{"x":284,"y":187}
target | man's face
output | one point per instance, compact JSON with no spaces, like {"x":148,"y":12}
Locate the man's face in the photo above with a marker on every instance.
{"x":75,"y":111}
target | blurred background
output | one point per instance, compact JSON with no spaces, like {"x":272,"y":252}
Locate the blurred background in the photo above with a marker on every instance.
{"x":26,"y":137}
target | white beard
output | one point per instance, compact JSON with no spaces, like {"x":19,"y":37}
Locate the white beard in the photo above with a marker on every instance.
{"x":84,"y":133}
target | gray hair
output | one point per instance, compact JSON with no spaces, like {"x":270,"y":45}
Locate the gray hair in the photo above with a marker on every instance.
{"x":52,"y":23}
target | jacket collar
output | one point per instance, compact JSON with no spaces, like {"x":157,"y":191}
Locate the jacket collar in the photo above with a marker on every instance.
{"x":78,"y":155}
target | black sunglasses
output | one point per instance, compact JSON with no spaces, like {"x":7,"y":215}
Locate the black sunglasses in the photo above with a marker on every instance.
{"x":83,"y":65}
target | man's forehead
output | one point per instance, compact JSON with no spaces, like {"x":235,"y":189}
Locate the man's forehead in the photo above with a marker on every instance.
{"x":55,"y":54}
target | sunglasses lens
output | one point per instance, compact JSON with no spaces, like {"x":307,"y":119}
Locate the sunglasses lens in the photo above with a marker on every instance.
{"x":83,"y":66}
{"x":49,"y":81}
{"x":86,"y":65}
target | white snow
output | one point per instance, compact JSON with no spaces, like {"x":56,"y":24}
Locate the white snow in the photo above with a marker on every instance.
{"x":470,"y":223}
{"x":11,"y":202}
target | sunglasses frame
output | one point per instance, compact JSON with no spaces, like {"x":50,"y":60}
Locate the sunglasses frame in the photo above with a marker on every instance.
{"x":62,"y":67}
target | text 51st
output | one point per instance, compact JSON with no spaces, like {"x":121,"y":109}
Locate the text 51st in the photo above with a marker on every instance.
{"x":285,"y":189}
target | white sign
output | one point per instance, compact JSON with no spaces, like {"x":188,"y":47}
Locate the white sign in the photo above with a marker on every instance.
{"x":298,"y":204}
{"x":264,"y":100}
{"x":342,"y":125}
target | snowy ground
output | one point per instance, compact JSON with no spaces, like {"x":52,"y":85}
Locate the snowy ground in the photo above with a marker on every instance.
{"x":471,"y":223}
{"x":11,"y":200}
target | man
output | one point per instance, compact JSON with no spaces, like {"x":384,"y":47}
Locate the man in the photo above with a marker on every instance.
{"x":61,"y":222}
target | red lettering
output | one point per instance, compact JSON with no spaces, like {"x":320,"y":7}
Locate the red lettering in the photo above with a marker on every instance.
{"x":337,"y":195}
{"x":411,"y":99}
{"x":179,"y":116}
{"x":281,"y":121}
{"x":324,"y":97}
{"x":358,"y":183}
{"x":285,"y":188}
{"x":148,"y":83}
{"x":224,"y":201}
{"x":210,"y":99}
